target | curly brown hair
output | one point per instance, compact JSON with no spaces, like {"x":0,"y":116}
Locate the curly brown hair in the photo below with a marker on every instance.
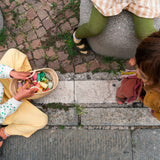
{"x":148,"y":59}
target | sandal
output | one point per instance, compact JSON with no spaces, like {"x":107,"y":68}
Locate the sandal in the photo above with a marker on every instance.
{"x":81,"y":45}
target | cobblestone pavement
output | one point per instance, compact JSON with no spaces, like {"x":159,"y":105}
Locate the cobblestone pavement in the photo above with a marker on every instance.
{"x":42,"y":29}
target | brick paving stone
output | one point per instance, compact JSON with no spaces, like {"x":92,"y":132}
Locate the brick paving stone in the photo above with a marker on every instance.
{"x":77,"y":60}
{"x":66,"y":1}
{"x":43,"y":39}
{"x":27,"y":27}
{"x":11,"y":43}
{"x":37,"y":6}
{"x":21,"y":47}
{"x":104,"y":66}
{"x":3,"y":48}
{"x":93,"y":65}
{"x":73,"y":21}
{"x":40,"y":63}
{"x":26,"y":45}
{"x":114,"y":65}
{"x":32,"y":64}
{"x":31,"y":36}
{"x":54,"y":65}
{"x":52,"y":1}
{"x":46,"y":6}
{"x":69,"y":13}
{"x":81,"y":68}
{"x":20,"y":1}
{"x":89,"y":57}
{"x":13,"y":5}
{"x":10,"y":24}
{"x":67,"y":66}
{"x":36,"y":23}
{"x":9,"y":17}
{"x":29,"y":55}
{"x":51,"y":52}
{"x":41,"y":32}
{"x":62,"y":56}
{"x":6,"y":10}
{"x":59,"y":44}
{"x":53,"y":13}
{"x":31,"y":14}
{"x":30,"y":1}
{"x":7,"y":2}
{"x":42,"y":14}
{"x":48,"y":23}
{"x":26,"y":6}
{"x":2,"y":5}
{"x":36,"y":44}
{"x":20,"y":39}
{"x":20,"y":9}
{"x":65,"y":27}
{"x":39,"y":53}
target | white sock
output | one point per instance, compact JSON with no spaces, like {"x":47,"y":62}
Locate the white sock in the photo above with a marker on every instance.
{"x":74,"y":34}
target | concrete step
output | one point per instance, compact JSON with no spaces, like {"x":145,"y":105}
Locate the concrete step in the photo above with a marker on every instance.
{"x":66,"y":144}
{"x":83,"y":88}
{"x":97,"y":95}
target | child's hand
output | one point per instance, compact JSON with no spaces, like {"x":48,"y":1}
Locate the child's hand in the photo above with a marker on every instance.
{"x":132,"y":61}
{"x":24,"y":93}
{"x":19,"y":75}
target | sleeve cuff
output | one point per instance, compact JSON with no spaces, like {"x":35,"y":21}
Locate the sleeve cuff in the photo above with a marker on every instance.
{"x":7,"y":71}
{"x":15,"y":102}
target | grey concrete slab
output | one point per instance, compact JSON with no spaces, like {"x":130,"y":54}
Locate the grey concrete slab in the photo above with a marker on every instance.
{"x":146,"y":144}
{"x":70,"y":145}
{"x":1,"y":20}
{"x":64,"y":93}
{"x":119,"y":117}
{"x":96,"y":91}
{"x":118,"y":38}
{"x":61,"y":117}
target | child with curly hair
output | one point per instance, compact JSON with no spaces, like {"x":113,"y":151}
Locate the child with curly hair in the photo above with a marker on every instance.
{"x":147,"y":59}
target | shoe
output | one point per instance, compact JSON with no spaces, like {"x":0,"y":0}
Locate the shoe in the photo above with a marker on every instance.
{"x":81,"y":44}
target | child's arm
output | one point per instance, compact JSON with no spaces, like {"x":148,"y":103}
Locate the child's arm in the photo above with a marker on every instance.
{"x":5,"y":71}
{"x":8,"y":108}
{"x":12,"y":104}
